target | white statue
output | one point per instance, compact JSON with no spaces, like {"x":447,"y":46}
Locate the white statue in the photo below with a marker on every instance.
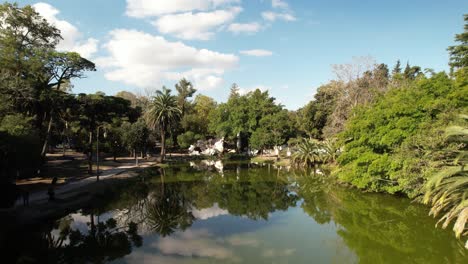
{"x":219,"y":145}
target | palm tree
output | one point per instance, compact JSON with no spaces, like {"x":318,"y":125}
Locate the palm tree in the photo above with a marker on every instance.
{"x":331,"y":150}
{"x":447,"y":190}
{"x":162,"y":114}
{"x":308,"y":153}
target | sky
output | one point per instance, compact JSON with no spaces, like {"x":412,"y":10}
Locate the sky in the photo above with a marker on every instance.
{"x":284,"y":46}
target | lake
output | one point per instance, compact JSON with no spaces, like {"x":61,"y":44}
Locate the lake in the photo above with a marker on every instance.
{"x":210,"y":212}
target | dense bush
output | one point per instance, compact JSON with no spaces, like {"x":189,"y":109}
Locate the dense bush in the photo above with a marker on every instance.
{"x":188,"y":138}
{"x":386,"y":141}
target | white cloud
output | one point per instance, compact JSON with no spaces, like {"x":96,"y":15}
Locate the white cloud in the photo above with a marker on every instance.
{"x":244,"y":28}
{"x":279,"y":4}
{"x":194,"y":243}
{"x":195,"y":25}
{"x":145,"y":60}
{"x":72,"y":37}
{"x":257,"y":52}
{"x":238,"y":240}
{"x":272,"y":16}
{"x":146,"y":8}
{"x":206,"y":213}
{"x":274,"y":253}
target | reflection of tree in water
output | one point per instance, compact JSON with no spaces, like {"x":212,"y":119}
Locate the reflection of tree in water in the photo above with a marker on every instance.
{"x":168,"y":209}
{"x":59,"y":243}
{"x":168,"y":205}
{"x":314,"y":189}
{"x":380,"y":228}
{"x":253,"y":193}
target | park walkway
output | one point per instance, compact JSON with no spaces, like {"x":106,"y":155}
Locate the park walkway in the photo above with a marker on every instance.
{"x":69,"y":189}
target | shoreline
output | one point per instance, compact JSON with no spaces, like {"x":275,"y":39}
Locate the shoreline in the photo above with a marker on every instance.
{"x":67,"y":201}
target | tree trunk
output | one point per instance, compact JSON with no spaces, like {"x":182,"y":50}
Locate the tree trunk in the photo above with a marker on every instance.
{"x":90,"y":153}
{"x":163,"y":145}
{"x":46,"y":140}
{"x":63,"y":147}
{"x":136,"y":158}
{"x":93,"y":226}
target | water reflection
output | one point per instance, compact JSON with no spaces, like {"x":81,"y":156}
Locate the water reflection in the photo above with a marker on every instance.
{"x":243,"y":213}
{"x":380,"y":228}
{"x":65,"y":241}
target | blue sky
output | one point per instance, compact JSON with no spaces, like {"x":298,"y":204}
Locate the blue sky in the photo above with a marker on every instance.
{"x":284,"y":46}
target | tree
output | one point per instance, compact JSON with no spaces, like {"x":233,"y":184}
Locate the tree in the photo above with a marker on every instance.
{"x":459,"y":53}
{"x":62,"y":67}
{"x":184,"y":90}
{"x":187,"y":138}
{"x":95,"y":110}
{"x":358,"y":84}
{"x":410,"y":73}
{"x":447,"y":190}
{"x":308,"y":153}
{"x":135,"y":137}
{"x":397,"y":69}
{"x":312,"y":118}
{"x":135,"y":101}
{"x":33,"y":71}
{"x":198,"y":119}
{"x":162,"y":114}
{"x":240,"y":116}
{"x":385,"y":141}
{"x":274,"y":130}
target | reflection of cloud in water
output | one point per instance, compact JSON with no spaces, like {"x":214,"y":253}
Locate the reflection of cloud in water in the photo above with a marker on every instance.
{"x":148,"y":258}
{"x":194,"y":243}
{"x":273,"y":253}
{"x":243,"y":241}
{"x":80,"y":221}
{"x":206,"y":213}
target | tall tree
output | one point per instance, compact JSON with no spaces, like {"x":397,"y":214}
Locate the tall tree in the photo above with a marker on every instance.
{"x":162,"y":114}
{"x":459,"y":53}
{"x":185,"y":90}
{"x":34,"y":72}
{"x":61,"y":68}
{"x":135,"y":137}
{"x":397,"y":69}
{"x":94,"y":111}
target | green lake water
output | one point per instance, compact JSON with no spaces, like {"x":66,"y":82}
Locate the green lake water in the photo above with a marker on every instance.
{"x":239,"y":213}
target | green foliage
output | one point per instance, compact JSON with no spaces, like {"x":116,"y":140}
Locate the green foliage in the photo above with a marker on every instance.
{"x":254,"y":116}
{"x":184,"y":90}
{"x":242,"y":113}
{"x":459,"y":53}
{"x":163,"y":114}
{"x":382,"y":140}
{"x":135,"y":136}
{"x":311,"y":152}
{"x":312,"y":118}
{"x":308,"y":153}
{"x":188,"y":138}
{"x":197,"y":119}
{"x":273,"y":130}
{"x":163,"y":111}
{"x":447,"y":189}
